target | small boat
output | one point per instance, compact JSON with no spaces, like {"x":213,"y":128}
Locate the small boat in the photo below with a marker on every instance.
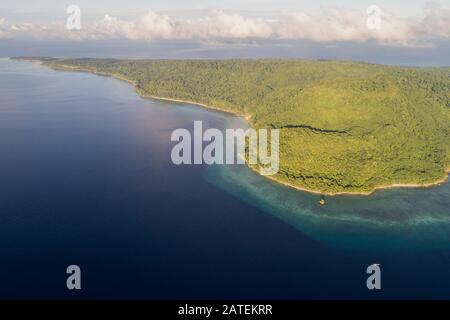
{"x":322,"y":201}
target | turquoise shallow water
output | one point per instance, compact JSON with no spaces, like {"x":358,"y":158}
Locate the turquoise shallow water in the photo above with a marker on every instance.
{"x":391,"y":220}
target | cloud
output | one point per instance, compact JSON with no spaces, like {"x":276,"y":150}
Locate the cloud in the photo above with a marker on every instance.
{"x":330,"y":25}
{"x":222,"y":25}
{"x":153,"y":26}
{"x":3,"y":31}
{"x":436,"y":22}
{"x":146,"y":27}
{"x":337,"y":24}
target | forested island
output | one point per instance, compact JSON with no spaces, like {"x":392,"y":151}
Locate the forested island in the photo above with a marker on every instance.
{"x":345,"y":127}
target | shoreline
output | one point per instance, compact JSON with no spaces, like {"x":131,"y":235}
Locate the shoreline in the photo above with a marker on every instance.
{"x":248,"y":120}
{"x":247,"y":117}
{"x":362,"y":193}
{"x":235,"y":114}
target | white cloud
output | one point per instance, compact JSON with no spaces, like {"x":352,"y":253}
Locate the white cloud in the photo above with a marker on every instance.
{"x":3,"y":33}
{"x":223,"y":25}
{"x":337,"y":24}
{"x":153,"y":26}
{"x":146,"y":27}
{"x":331,"y":25}
{"x":435,"y":22}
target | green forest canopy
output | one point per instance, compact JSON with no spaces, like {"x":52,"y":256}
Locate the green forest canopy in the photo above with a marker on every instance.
{"x":344,"y":126}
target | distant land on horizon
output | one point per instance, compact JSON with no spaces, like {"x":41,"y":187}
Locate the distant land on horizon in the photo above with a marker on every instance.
{"x":345,"y":127}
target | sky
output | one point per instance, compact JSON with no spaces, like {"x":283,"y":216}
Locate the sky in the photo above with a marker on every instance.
{"x":52,"y":7}
{"x":393,"y":23}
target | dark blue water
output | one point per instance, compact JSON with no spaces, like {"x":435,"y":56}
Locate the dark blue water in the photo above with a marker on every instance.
{"x":86,"y":179}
